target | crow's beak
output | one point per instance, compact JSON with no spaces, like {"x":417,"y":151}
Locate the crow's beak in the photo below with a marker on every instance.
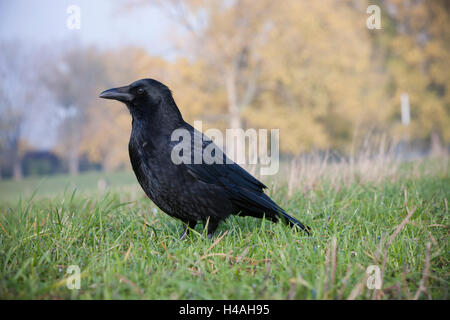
{"x":121,"y":94}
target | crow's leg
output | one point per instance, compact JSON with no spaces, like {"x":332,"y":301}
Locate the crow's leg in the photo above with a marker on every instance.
{"x":212,"y":226}
{"x":186,"y":226}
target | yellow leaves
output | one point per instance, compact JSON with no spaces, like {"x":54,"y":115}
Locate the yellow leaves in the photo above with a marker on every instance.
{"x":321,"y":74}
{"x":195,"y":90}
{"x":299,"y":130}
{"x":106,"y":135}
{"x":418,"y":64}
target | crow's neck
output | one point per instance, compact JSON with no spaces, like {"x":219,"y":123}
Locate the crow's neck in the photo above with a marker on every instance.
{"x":156,"y":123}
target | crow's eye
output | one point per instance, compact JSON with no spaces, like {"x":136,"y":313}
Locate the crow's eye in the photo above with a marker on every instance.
{"x":140,"y":91}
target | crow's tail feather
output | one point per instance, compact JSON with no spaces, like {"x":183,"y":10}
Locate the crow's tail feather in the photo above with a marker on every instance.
{"x":293,"y":222}
{"x":257,"y":205}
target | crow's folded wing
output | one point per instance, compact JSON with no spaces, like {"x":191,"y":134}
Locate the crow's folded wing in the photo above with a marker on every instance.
{"x":223,"y":172}
{"x":226,"y":172}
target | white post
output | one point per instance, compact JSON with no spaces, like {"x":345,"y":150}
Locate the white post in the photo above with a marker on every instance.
{"x":404,"y":101}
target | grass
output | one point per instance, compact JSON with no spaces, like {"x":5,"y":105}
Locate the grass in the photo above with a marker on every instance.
{"x":126,"y":248}
{"x":11,"y":191}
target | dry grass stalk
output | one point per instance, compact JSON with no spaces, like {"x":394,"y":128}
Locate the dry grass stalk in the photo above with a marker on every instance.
{"x":308,"y":171}
{"x":405,"y":284}
{"x":217,"y":241}
{"x":330,"y":258}
{"x":358,"y":289}
{"x":325,"y":283}
{"x":426,"y":270}
{"x":333,"y":260}
{"x":133,"y":286}
{"x":266,"y":278}
{"x":377,"y":293}
{"x":373,"y":163}
{"x":345,"y":281}
{"x":292,"y":289}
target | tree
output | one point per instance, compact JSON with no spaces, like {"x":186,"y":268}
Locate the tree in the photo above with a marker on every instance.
{"x":417,"y":53}
{"x":74,"y":78}
{"x":15,"y":101}
{"x":321,"y":83}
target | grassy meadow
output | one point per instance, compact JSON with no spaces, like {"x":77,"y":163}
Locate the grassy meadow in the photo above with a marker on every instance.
{"x":389,"y":215}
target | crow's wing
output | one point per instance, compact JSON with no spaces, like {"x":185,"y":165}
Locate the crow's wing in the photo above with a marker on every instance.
{"x":225,"y":173}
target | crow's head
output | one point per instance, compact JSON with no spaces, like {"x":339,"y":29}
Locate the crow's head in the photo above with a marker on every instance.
{"x":144,"y":92}
{"x":147,"y":99}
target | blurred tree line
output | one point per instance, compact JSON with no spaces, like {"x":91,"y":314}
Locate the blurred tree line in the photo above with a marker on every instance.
{"x":310,"y":68}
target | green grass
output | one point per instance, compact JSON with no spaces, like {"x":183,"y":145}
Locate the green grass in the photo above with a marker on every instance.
{"x":11,"y":191}
{"x":126,"y":248}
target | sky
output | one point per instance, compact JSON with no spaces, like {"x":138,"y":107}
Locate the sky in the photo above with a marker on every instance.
{"x":103,"y":23}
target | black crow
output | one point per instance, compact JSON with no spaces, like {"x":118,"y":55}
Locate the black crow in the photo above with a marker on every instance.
{"x":189,"y":191}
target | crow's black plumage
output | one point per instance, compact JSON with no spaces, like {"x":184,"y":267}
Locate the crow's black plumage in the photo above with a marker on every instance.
{"x":190,"y":192}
